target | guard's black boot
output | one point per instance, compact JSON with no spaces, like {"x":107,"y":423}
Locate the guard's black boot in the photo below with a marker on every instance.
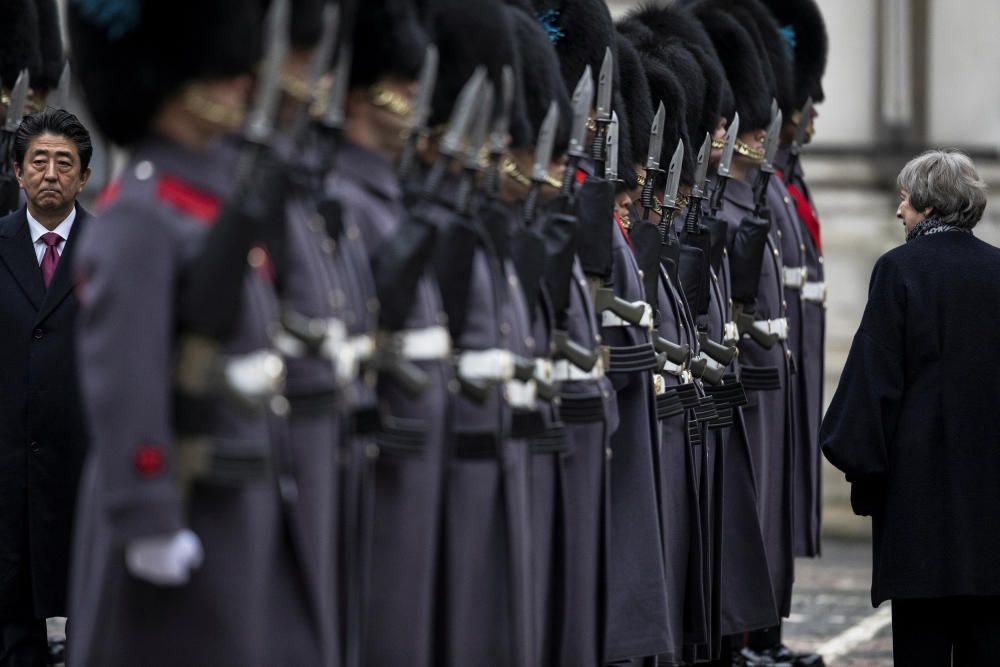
{"x":782,"y":653}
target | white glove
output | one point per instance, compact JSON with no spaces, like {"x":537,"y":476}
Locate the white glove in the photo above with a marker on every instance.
{"x":165,"y":560}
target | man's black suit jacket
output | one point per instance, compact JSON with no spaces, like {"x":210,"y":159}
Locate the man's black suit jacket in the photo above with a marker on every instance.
{"x":42,"y":436}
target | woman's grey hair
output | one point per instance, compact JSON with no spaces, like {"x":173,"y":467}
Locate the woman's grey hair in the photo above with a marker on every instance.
{"x":947,"y":182}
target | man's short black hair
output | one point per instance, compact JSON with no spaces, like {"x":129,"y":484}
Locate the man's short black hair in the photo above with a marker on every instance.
{"x":53,"y":121}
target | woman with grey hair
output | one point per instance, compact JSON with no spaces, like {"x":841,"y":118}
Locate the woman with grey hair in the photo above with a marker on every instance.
{"x":914,"y":426}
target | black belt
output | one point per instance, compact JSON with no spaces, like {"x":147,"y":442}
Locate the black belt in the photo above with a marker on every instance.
{"x":705,"y":410}
{"x":688,"y":395}
{"x":402,"y":437}
{"x":366,"y":420}
{"x":694,"y":432}
{"x":551,"y":441}
{"x":632,"y":358}
{"x":760,"y":378}
{"x":668,"y":404}
{"x":526,"y":424}
{"x":575,"y":409}
{"x":476,"y":446}
{"x":207,"y":460}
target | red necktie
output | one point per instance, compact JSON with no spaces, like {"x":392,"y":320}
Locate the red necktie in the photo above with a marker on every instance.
{"x":51,"y":257}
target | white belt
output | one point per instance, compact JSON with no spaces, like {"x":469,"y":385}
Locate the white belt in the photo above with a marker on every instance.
{"x":332,"y":336}
{"x":564,"y":371}
{"x":795,"y":276}
{"x":730,"y":333}
{"x":520,"y":394}
{"x":257,"y":375}
{"x":349,"y":355}
{"x":815,"y":292}
{"x":543,"y":370}
{"x":429,"y":344}
{"x":778,"y":326}
{"x":679,"y":371}
{"x":492,"y":364}
{"x":609,"y":319}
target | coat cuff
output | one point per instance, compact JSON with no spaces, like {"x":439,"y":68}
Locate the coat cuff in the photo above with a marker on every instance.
{"x":151,"y":515}
{"x":867,"y":496}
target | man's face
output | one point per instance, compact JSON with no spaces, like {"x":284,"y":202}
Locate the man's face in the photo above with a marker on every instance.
{"x":51,"y":175}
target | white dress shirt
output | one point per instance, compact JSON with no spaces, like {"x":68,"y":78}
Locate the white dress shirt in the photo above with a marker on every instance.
{"x":37,"y":229}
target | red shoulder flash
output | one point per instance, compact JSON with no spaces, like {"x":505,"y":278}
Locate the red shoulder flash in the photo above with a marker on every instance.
{"x":807,"y":214}
{"x":186,"y":198}
{"x":581,"y":176}
{"x":108,"y":195}
{"x":149,"y":460}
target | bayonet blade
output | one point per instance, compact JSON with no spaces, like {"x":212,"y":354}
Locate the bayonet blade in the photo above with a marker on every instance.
{"x":18,"y":98}
{"x":701,"y":168}
{"x":544,"y":144}
{"x":465,"y":109}
{"x":774,"y":107}
{"x":59,"y":98}
{"x":583,"y":99}
{"x":320,"y":60}
{"x":674,"y":176}
{"x":611,"y":143}
{"x":480,"y":125}
{"x":333,"y":116}
{"x":260,"y":120}
{"x":604,"y":87}
{"x":425,"y":89}
{"x":799,"y":138}
{"x":729,"y":145}
{"x":655,"y":140}
{"x":771,"y":142}
{"x":501,"y":123}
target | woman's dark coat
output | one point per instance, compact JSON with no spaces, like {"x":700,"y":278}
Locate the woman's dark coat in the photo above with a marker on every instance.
{"x":913,"y":422}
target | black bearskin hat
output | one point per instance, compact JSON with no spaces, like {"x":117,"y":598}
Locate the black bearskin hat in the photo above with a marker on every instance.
{"x":581,"y":31}
{"x":660,"y":61}
{"x":637,"y":113}
{"x":468,"y":33}
{"x":540,"y":82}
{"x":387,"y":40}
{"x":742,"y":63}
{"x":50,"y":46}
{"x":675,"y":23}
{"x":804,"y":33}
{"x":307,"y":23}
{"x":764,"y":29}
{"x":129,"y":60}
{"x":19,"y":46}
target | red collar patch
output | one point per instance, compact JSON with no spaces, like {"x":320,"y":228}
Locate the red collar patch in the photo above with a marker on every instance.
{"x":108,"y":195}
{"x":186,"y":198}
{"x":807,"y":214}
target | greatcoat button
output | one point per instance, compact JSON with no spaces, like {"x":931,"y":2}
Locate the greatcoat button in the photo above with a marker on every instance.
{"x":37,"y":334}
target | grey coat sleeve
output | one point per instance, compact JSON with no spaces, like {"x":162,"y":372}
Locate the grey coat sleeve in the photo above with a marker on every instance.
{"x":124,"y":340}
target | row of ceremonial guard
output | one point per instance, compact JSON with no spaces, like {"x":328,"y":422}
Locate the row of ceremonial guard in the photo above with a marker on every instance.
{"x":501,"y":351}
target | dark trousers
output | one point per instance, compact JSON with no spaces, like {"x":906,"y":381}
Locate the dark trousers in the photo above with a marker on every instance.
{"x":959,"y":631}
{"x":23,"y":644}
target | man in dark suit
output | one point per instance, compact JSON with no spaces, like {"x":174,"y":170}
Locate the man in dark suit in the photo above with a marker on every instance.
{"x":42,"y":441}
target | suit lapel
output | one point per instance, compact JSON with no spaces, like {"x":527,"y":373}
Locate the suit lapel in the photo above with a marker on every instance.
{"x":62,"y":279}
{"x":18,"y":254}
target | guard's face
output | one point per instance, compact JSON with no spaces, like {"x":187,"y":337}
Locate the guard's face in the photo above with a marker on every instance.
{"x":910,"y":216}
{"x":51,"y":175}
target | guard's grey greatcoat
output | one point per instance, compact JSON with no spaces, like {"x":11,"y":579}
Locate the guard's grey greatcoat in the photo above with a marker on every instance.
{"x":42,"y":436}
{"x":791,"y":233}
{"x":913,"y":421}
{"x":637,"y":605}
{"x":813,"y":334}
{"x":246,"y":604}
{"x":589,"y":410}
{"x":767,"y":413}
{"x":746,"y":600}
{"x":398,"y":619}
{"x":678,"y":472}
{"x":486,"y":559}
{"x":315,"y":421}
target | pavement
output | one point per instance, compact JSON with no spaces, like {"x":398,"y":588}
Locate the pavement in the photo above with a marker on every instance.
{"x":831,"y":608}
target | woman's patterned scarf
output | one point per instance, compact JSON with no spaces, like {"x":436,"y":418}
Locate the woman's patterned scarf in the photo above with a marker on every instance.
{"x":932,"y":226}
